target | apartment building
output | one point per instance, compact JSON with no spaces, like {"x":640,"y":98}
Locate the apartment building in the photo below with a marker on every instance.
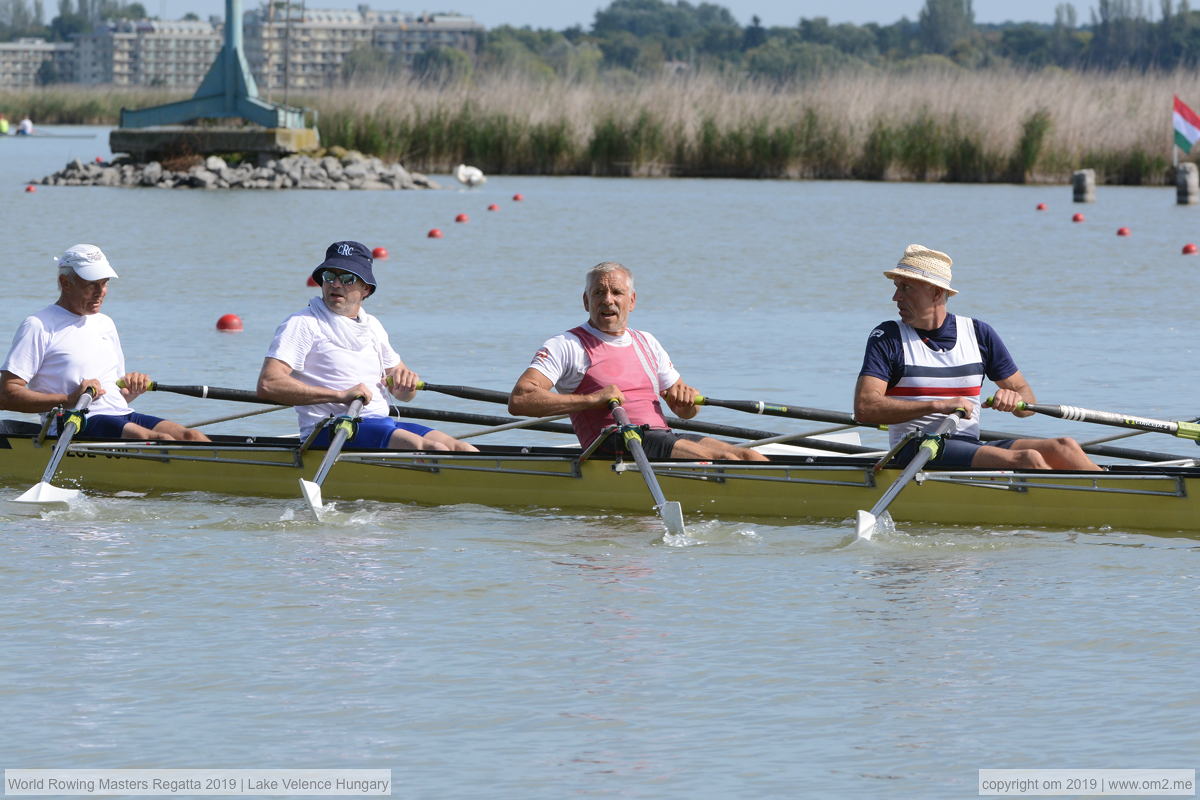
{"x":22,"y":60}
{"x":289,"y":46}
{"x":174,"y":54}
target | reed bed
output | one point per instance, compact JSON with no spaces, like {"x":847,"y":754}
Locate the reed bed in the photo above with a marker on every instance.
{"x":984,"y":126}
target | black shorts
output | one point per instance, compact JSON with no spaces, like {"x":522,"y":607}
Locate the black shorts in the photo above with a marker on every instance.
{"x":657,"y":443}
{"x":957,"y":450}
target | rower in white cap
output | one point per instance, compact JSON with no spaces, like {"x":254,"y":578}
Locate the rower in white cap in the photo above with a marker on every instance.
{"x":69,"y":348}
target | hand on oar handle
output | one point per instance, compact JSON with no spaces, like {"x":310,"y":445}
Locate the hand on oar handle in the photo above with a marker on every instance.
{"x":91,"y":386}
{"x":403,"y":382}
{"x":360,"y":392}
{"x":1009,"y":401}
{"x":134,"y":385}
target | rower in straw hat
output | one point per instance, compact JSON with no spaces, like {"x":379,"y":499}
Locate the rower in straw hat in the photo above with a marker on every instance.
{"x":920,"y":368}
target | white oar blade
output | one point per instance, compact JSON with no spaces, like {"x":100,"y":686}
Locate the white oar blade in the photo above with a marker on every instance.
{"x":312,"y":496}
{"x":865,"y":525}
{"x":672,"y":516}
{"x":44,"y":494}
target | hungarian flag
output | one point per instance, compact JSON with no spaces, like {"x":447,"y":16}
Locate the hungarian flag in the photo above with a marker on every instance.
{"x":1187,"y":126}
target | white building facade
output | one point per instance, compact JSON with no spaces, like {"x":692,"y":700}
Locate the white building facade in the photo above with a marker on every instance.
{"x":24,"y":61}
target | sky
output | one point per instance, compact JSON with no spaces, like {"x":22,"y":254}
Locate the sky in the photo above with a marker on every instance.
{"x":559,"y":14}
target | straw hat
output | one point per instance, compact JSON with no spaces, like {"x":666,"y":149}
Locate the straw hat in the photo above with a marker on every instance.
{"x":919,"y":263}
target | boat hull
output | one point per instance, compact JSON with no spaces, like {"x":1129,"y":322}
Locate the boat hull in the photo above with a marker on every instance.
{"x":798,"y":488}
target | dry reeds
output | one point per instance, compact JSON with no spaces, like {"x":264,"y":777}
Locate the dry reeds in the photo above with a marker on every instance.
{"x":950,"y":125}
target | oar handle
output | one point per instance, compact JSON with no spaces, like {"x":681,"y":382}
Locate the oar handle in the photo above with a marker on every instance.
{"x":85,"y":399}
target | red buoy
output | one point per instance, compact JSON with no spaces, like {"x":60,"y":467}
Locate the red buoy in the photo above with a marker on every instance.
{"x":1077,"y":218}
{"x":379,"y":253}
{"x":1189,"y":249}
{"x":462,"y":218}
{"x":230,"y":323}
{"x":1041,"y":206}
{"x":99,"y":159}
{"x":493,"y":207}
{"x":311,"y":282}
{"x":1122,"y":231}
{"x":31,"y":188}
{"x":518,"y":198}
{"x":434,"y":233}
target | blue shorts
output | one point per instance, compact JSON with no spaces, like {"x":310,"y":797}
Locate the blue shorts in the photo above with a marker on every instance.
{"x":957,"y":450}
{"x":373,"y":433}
{"x":109,"y":426}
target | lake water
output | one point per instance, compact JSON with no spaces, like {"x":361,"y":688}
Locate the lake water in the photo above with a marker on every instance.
{"x":480,"y":652}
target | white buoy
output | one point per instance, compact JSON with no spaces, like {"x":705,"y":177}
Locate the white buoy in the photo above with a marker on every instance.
{"x":469,"y":176}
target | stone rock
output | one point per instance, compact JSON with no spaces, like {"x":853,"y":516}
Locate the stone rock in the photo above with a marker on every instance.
{"x":201,"y":178}
{"x":152,"y":173}
{"x":336,"y":170}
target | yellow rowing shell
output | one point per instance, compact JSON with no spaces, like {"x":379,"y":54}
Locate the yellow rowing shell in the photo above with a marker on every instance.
{"x":1157,"y":499}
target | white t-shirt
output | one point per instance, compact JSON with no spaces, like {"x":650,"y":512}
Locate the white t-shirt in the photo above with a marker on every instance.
{"x":54,"y":351}
{"x":564,"y":361}
{"x":304,"y":343}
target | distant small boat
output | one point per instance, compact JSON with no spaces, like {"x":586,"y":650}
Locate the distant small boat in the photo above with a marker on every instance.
{"x":39,"y":134}
{"x":469,"y":176}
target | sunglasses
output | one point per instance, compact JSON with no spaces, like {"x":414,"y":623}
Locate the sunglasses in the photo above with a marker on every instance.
{"x":345,"y":278}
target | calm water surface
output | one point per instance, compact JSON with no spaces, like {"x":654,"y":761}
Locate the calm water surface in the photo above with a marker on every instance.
{"x":534,"y":653}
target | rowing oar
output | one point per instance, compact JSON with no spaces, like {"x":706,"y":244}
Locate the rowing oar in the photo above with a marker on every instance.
{"x":1184,"y":430}
{"x":43,"y":492}
{"x":342,"y":430}
{"x":670,"y":512}
{"x":209,"y":392}
{"x":930,"y":446}
{"x":776,"y":410}
{"x":695,"y":426}
{"x":466,"y":392}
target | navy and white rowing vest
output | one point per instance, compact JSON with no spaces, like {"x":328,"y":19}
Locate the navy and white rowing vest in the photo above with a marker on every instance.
{"x":934,"y":374}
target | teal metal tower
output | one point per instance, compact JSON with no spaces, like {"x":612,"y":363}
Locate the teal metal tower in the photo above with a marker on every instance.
{"x":228,"y":90}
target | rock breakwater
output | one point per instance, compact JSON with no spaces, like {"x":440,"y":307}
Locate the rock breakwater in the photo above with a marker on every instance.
{"x":345,"y":171}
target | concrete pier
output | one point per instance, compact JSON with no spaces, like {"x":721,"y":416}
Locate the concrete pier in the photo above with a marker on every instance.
{"x":1187,"y":184}
{"x":1083,"y":185}
{"x":170,"y":141}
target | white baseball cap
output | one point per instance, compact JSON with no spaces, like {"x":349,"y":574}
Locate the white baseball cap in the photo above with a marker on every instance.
{"x":88,"y":261}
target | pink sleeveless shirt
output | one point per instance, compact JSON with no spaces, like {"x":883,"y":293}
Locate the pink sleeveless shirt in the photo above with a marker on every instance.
{"x":632,"y":369}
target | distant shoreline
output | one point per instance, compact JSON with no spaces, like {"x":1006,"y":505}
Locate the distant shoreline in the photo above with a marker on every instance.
{"x":966,"y":127}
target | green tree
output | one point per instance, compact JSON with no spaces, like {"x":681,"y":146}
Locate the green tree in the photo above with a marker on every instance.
{"x":47,"y":74}
{"x":944,"y":23}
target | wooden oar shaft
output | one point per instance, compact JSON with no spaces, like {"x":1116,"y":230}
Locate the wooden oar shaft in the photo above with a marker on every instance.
{"x":1184,"y":430}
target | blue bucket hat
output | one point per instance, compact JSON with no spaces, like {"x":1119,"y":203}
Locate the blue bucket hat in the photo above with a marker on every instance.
{"x":350,"y":257}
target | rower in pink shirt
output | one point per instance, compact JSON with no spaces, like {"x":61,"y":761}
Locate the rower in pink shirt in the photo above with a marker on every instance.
{"x":581,"y":371}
